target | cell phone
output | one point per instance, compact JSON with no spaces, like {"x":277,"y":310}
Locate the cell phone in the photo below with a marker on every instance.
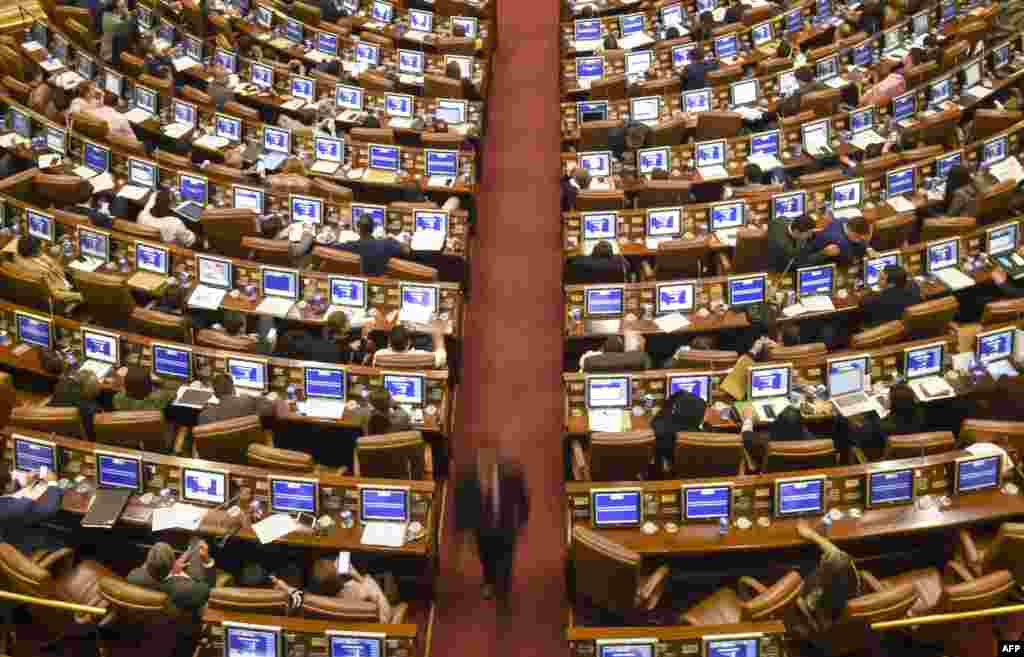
{"x":307,"y":520}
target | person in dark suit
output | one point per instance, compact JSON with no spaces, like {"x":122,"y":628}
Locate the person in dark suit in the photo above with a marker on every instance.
{"x":331,"y":344}
{"x":788,"y":425}
{"x":683,"y":411}
{"x":21,"y":517}
{"x":899,"y":292}
{"x":694,"y":74}
{"x":331,"y":11}
{"x":186,"y":580}
{"x":230,"y":405}
{"x":869,"y":431}
{"x":630,"y":137}
{"x":82,"y":391}
{"x":601,"y":266}
{"x":491,"y":501}
{"x":577,"y":180}
{"x":734,"y":14}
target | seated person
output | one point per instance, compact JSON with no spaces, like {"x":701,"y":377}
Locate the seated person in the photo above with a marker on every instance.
{"x":905,"y":416}
{"x":701,"y":342}
{"x":400,"y":342}
{"x":218,"y":89}
{"x":961,"y":191}
{"x":868,"y":20}
{"x":157,"y":214}
{"x":694,"y":74}
{"x":627,"y":139}
{"x":230,"y":406}
{"x":788,"y":425}
{"x":845,"y":240}
{"x":734,"y":14}
{"x":614,"y":344}
{"x":21,"y":517}
{"x":31,"y":259}
{"x":262,"y":342}
{"x":41,"y":98}
{"x":789,"y":244}
{"x":374,"y":253}
{"x":385,"y":415}
{"x":1003,"y":282}
{"x":454,"y":72}
{"x":899,"y":292}
{"x":186,"y":580}
{"x":889,"y":87}
{"x":139,"y":393}
{"x":81,"y":390}
{"x":787,"y":336}
{"x":572,"y":184}
{"x":325,"y":580}
{"x":332,"y":344}
{"x":602,"y":262}
{"x":91,"y":102}
{"x":683,"y":411}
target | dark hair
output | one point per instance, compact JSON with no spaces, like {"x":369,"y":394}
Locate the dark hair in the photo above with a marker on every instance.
{"x":753,"y":173}
{"x":838,"y":583}
{"x":803,"y":224}
{"x":697,"y":54}
{"x":603,"y":249}
{"x":60,"y":99}
{"x":222,"y":385}
{"x":672,"y":33}
{"x":896,"y":275}
{"x":162,"y":204}
{"x":610,"y":43}
{"x":804,"y":74}
{"x":330,"y":68}
{"x":159,"y":561}
{"x":858,"y":225}
{"x":790,"y":334}
{"x":685,"y":409}
{"x":291,"y":574}
{"x":453,"y":71}
{"x":137,"y":383}
{"x":958,"y":176}
{"x":399,"y":339}
{"x":233,"y":322}
{"x":252,"y":576}
{"x":28,"y":246}
{"x":706,"y":341}
{"x":587,"y":11}
{"x":614,"y":344}
{"x":324,"y":578}
{"x":173,"y":297}
{"x":789,"y":425}
{"x":902,"y":401}
{"x":790,"y":106}
{"x":659,"y":174}
{"x":364,"y":225}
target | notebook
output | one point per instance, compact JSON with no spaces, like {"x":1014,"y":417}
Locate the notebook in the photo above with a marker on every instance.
{"x":325,"y":167}
{"x":146,"y":280}
{"x":385,"y":534}
{"x":107,"y":506}
{"x":954,"y":278}
{"x":207,"y":298}
{"x":331,"y":409}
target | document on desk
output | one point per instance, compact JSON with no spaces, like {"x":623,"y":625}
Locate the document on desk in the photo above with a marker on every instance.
{"x":609,"y":420}
{"x":418,"y":36}
{"x":847,"y":213}
{"x":68,"y":80}
{"x":716,"y":171}
{"x":51,"y":65}
{"x":415,"y":314}
{"x":133,"y":192}
{"x":1008,"y":169}
{"x":654,"y":243}
{"x":836,"y":82}
{"x":137,"y":115}
{"x":274,"y":527}
{"x":749,"y":113}
{"x":735,"y":383}
{"x":672,"y":322}
{"x":636,"y":40}
{"x":177,"y":130}
{"x":793,"y":310}
{"x":818,"y":304}
{"x":211,"y":142}
{"x":183,"y":63}
{"x":102,"y":183}
{"x":864,"y":139}
{"x":48,"y":160}
{"x":179,"y":516}
{"x":900,"y":204}
{"x":32,"y":46}
{"x":428,"y":240}
{"x":765,"y":162}
{"x":294,"y":104}
{"x":317,"y":56}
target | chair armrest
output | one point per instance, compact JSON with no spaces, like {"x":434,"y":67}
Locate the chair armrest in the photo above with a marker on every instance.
{"x":647,"y":271}
{"x":957,"y":571}
{"x":858,"y":455}
{"x":749,"y":461}
{"x":966,"y":550}
{"x":652,"y":583}
{"x":580,"y":467}
{"x":268,"y":437}
{"x":63,"y":558}
{"x":723,"y":263}
{"x":428,"y":463}
{"x":873,"y":584}
{"x":399,"y":612}
{"x":180,"y":439}
{"x":752,"y":586}
{"x":223,"y":578}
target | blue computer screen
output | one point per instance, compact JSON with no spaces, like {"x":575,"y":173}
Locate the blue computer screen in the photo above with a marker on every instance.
{"x":430,"y":220}
{"x":891,"y":487}
{"x":374,"y":212}
{"x":724,"y":217}
{"x":410,"y":62}
{"x":815,"y":280}
{"x":192,"y":188}
{"x":327,"y":383}
{"x":725,"y":46}
{"x":588,"y":29}
{"x":279,"y":141}
{"x":96,"y":157}
{"x":589,"y":68}
{"x":384,"y":157}
{"x":93,"y":244}
{"x":744,"y":291}
{"x":293,"y":31}
{"x":608,"y":392}
{"x":250,"y":642}
{"x":100,"y":346}
{"x":769,"y":382}
{"x":421,"y":21}
{"x":663,"y":223}
{"x":995,"y":346}
{"x":923,"y":361}
{"x":34,"y":331}
{"x":745,"y":647}
{"x":993,"y":151}
{"x":168,"y":361}
{"x":943,"y":255}
{"x":798,"y":497}
{"x":632,"y":24}
{"x":1003,"y":239}
{"x":698,"y":385}
{"x":329,"y":149}
{"x":226,"y":59}
{"x":280,"y":283}
{"x":228,"y":128}
{"x":900,"y":182}
{"x":152,"y":258}
{"x":118,"y":472}
{"x":39,"y":225}
{"x":604,"y":301}
{"x":617,"y":507}
{"x":864,"y":55}
{"x":355,"y":646}
{"x":944,"y":164}
{"x":404,"y":389}
{"x":903,"y":107}
{"x":766,"y":143}
{"x":674,"y":297}
{"x":873,"y":267}
{"x":653,"y":158}
{"x":442,"y":163}
{"x":592,"y":111}
{"x":862,"y":120}
{"x":707,"y":502}
{"x":600,"y":225}
{"x":978,"y":474}
{"x":203,"y":486}
{"x":248,"y":374}
{"x":306,"y":209}
{"x":30,"y":455}
{"x":21,"y":124}
{"x":626,"y":650}
{"x":293,"y":496}
{"x":388,"y":504}
{"x":788,"y":206}
{"x":327,"y":43}
{"x":348,"y":292}
{"x":367,"y":54}
{"x":419,"y":296}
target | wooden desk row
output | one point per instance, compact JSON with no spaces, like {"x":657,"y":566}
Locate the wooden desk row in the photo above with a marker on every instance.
{"x":678,"y":640}
{"x":337,"y":493}
{"x":753,"y":498}
{"x":282,"y":373}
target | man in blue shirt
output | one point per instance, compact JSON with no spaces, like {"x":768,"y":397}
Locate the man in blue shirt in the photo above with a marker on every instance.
{"x":21,"y":517}
{"x":374,"y":253}
{"x":694,"y":75}
{"x":845,"y":240}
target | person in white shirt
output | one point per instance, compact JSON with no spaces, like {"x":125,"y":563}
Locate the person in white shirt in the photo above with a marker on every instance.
{"x":157,"y":214}
{"x":400,"y":342}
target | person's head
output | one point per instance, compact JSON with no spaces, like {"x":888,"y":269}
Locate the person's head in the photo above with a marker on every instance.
{"x":902,"y":401}
{"x":582,"y":177}
{"x":28,"y":246}
{"x":587,"y":12}
{"x":440,"y":125}
{"x":159,"y":561}
{"x":220,"y":74}
{"x":252,"y":576}
{"x":458,"y":30}
{"x":292,"y":575}
{"x":958,"y":176}
{"x":88,"y":385}
{"x":802,"y":228}
{"x":233,"y":322}
{"x":162,"y":204}
{"x":332,"y":67}
{"x":173,"y":297}
{"x":338,"y":325}
{"x":789,"y":106}
{"x":838,"y":583}
{"x":223,"y":385}
{"x":707,"y":20}
{"x":453,"y":71}
{"x":805,"y":74}
{"x":636,"y":136}
{"x":790,"y":334}
{"x":659,"y":174}
{"x":697,"y":54}
{"x":271,"y":226}
{"x":399,"y":340}
{"x":789,"y":425}
{"x":614,"y":344}
{"x":324,"y":578}
{"x":894,"y":276}
{"x":704,"y":342}
{"x":686,"y":410}
{"x":603,"y":249}
{"x":858,"y":229}
{"x":59,"y":98}
{"x":610,"y":42}
{"x":380,"y":400}
{"x":364,"y":226}
{"x":672,"y":33}
{"x":137,"y":383}
{"x":752,"y":174}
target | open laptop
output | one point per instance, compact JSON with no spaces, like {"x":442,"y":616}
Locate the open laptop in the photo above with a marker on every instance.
{"x":399,"y":109}
{"x":384,"y":514}
{"x":277,"y":146}
{"x":726,"y":219}
{"x":849,"y":385}
{"x":923,"y":367}
{"x":95,"y":161}
{"x":100,"y":352}
{"x":709,"y":158}
{"x":329,"y":154}
{"x":943,"y":262}
{"x":1001,"y":246}
{"x":152,"y":266}
{"x":599,"y":165}
{"x":608,"y":402}
{"x":995,"y":350}
{"x":142,"y":179}
{"x":768,"y":388}
{"x":93,"y":249}
{"x":348,"y":295}
{"x":193,"y":191}
{"x":215,"y":278}
{"x":816,"y":139}
{"x":847,"y":199}
{"x":325,"y":389}
{"x":280,"y":288}
{"x":862,"y":128}
{"x":384,"y":163}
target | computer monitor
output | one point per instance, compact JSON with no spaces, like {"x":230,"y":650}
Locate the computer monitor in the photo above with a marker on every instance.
{"x":600,"y":225}
{"x":100,"y":346}
{"x":747,"y":290}
{"x":114,"y":83}
{"x":815,"y":132}
{"x":823,"y":9}
{"x":993,"y":151}
{"x":282,"y":283}
{"x":847,"y":194}
{"x":673,"y":14}
{"x":30,"y":455}
{"x":761,"y":33}
{"x":404,"y":388}
{"x":724,"y":216}
{"x":698,"y":385}
{"x":616,"y":507}
{"x":697,"y":101}
{"x":327,"y":43}
{"x":604,"y":301}
{"x":346,"y":97}
{"x":631,"y":23}
{"x":1000,"y":56}
{"x":744,"y":92}
{"x":21,"y":123}
{"x":264,"y":17}
{"x":277,"y":140}
{"x":596,"y":163}
{"x":625,"y":647}
{"x":978,"y":473}
{"x":383,"y":504}
{"x":994,"y":345}
{"x":421,"y":21}
{"x":589,"y":68}
{"x":115,"y":470}
{"x":638,"y":62}
{"x":674,"y":298}
{"x":890,"y":487}
{"x":398,"y":105}
{"x":325,"y":383}
{"x":435,"y":221}
{"x":608,"y":391}
{"x":214,"y":272}
{"x":39,"y":33}
{"x":726,"y":46}
{"x":172,"y":361}
{"x":193,"y":188}
{"x":96,"y":157}
{"x":706,"y":5}
{"x":306,"y":209}
{"x":920,"y":23}
{"x":862,"y":119}
{"x":33,"y":330}
{"x":765,"y":143}
{"x":152,"y":258}
{"x":1002,"y":239}
{"x":943,"y":254}
{"x":468,"y":23}
{"x":971,"y":74}
{"x":904,"y":107}
{"x":204,"y":486}
{"x":247,"y":198}
{"x":681,"y":54}
{"x":873,"y":267}
{"x":847,"y":375}
{"x":664,"y":222}
{"x":947,"y":162}
{"x":227,"y":59}
{"x":454,"y":112}
{"x":367,"y":54}
{"x":706,"y":501}
{"x":146,"y":99}
{"x":827,"y":68}
{"x":40,"y":225}
{"x":184,"y":113}
{"x":442,"y":163}
{"x":769,"y":381}
{"x":651,"y":159}
{"x":329,"y":149}
{"x":794,"y":21}
{"x":940,"y":91}
{"x":348,"y":292}
{"x":926,"y":360}
{"x":645,"y":109}
{"x":293,"y":495}
{"x":739,"y":645}
{"x":423,"y":297}
{"x":293,"y":30}
{"x":304,"y":88}
{"x":864,"y":54}
{"x":355,"y":644}
{"x":248,"y":374}
{"x":93,"y":243}
{"x":227,"y":127}
{"x":261,"y":75}
{"x":467,"y":65}
{"x":411,"y":62}
{"x":385,"y":157}
{"x":382,"y":11}
{"x":376,"y":213}
{"x":799,"y":496}
{"x":815,"y":281}
{"x":251,"y":640}
{"x":892,"y":39}
{"x":193,"y":48}
{"x":709,"y":153}
{"x":142,"y":173}
{"x":900,"y":181}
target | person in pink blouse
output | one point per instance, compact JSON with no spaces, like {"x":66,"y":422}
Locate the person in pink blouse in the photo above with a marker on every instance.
{"x":882,"y":92}
{"x":91,"y":103}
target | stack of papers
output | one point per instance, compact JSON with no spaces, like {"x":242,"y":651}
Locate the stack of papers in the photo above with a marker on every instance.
{"x":317,"y":56}
{"x":954,"y":278}
{"x":274,"y":527}
{"x":817,"y":304}
{"x":653,"y":243}
{"x":179,"y":516}
{"x":328,"y":409}
{"x":177,"y":130}
{"x":415,"y":314}
{"x":33,"y":492}
{"x":48,"y":160}
{"x":294,"y":104}
{"x":51,"y":65}
{"x":385,"y":534}
{"x":133,"y":192}
{"x":836,"y":82}
{"x":764,"y":162}
{"x":211,"y":142}
{"x":978,"y":91}
{"x":405,"y":78}
{"x":68,"y":79}
{"x":636,"y":40}
{"x":102,"y":183}
{"x":847,"y":213}
{"x":428,"y":240}
{"x":900,"y":204}
{"x":440,"y":181}
{"x":585,"y":46}
{"x":137,"y":115}
{"x":182,"y":63}
{"x":672,"y":323}
{"x":609,"y":420}
{"x":727,"y":237}
{"x":32,"y":46}
{"x":865,"y":138}
{"x":716,"y":171}
{"x":1008,"y":169}
{"x":416,"y":35}
{"x":749,"y":113}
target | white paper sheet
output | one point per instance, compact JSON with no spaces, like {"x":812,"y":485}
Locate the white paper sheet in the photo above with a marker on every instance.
{"x":274,"y":527}
{"x":672,"y":322}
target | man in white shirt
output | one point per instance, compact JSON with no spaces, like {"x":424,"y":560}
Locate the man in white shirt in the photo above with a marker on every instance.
{"x":400,"y":342}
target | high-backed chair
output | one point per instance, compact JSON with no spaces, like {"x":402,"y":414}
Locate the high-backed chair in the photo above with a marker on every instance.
{"x":797,"y":351}
{"x":25,"y":288}
{"x":594,"y":135}
{"x":17,"y":88}
{"x":332,"y":191}
{"x":269,"y":251}
{"x":822,"y":103}
{"x":751,"y":253}
{"x":441,"y":84}
{"x":773,"y":65}
{"x":228,"y":441}
{"x":172,"y":160}
{"x":408,"y":270}
{"x":589,"y":200}
{"x":132,"y":65}
{"x":275,"y":458}
{"x":405,"y":361}
{"x":63,"y":421}
{"x":936,"y":596}
{"x":167,"y":326}
{"x":702,"y":359}
{"x":699,"y":454}
{"x":225,"y":227}
{"x":662,"y":193}
{"x":993,"y":553}
{"x":883,"y":334}
{"x":241,"y":111}
{"x":622,"y":361}
{"x":145,"y":430}
{"x":936,"y":228}
{"x":717,"y":125}
{"x":162,"y":85}
{"x":915,"y":75}
{"x":625,"y":456}
{"x":456,"y":45}
{"x":758,"y":602}
{"x":681,"y":259}
{"x":127,"y":144}
{"x":58,"y":189}
{"x":373,"y":135}
{"x":398,"y":455}
{"x":196,"y":96}
{"x":221,"y":340}
{"x":987,"y":122}
{"x":930,"y":318}
{"x":786,"y":455}
{"x":134,"y":610}
{"x":375,"y":82}
{"x":994,"y":202}
{"x":918,"y":444}
{"x":1004,"y":310}
{"x":8,"y":397}
{"x":137,"y":230}
{"x":341,"y":610}
{"x":724,"y":76}
{"x":852,"y":634}
{"x":336,"y":261}
{"x":1001,"y":432}
{"x":612,"y":87}
{"x":106,"y":297}
{"x":608,"y":574}
{"x":249,"y":600}
{"x":952,"y":55}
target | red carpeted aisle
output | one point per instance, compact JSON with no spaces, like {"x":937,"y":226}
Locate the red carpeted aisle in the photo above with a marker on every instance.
{"x":510,"y":391}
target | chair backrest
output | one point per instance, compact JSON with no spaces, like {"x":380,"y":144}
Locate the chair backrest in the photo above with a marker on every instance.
{"x":225,"y":228}
{"x":930,"y":318}
{"x":19,"y":574}
{"x":336,"y":261}
{"x":983,"y":592}
{"x":8,"y":397}
{"x":915,"y":75}
{"x":442,"y":85}
{"x":588,"y":200}
{"x":751,"y":250}
{"x":697,"y":359}
{"x":717,"y":125}
{"x":669,"y":132}
{"x":332,"y":191}
{"x":63,"y":421}
{"x":221,"y":340}
{"x":405,"y":361}
{"x":430,"y":139}
{"x":612,"y":87}
{"x":398,"y":455}
{"x":227,"y":441}
{"x":133,"y":605}
{"x":936,"y":228}
{"x":607,"y":574}
{"x":594,"y":134}
{"x":194,"y":95}
{"x":785,"y":455}
{"x":918,"y":444}
{"x":662,"y":193}
{"x":456,"y":45}
{"x":275,"y":458}
{"x":88,"y":126}
{"x":373,"y":135}
{"x":410,"y":271}
{"x":269,"y":251}
{"x":887,"y":333}
{"x":249,"y":600}
{"x":724,"y":76}
{"x":992,"y":431}
{"x":994,"y":202}
{"x":821,"y":178}
{"x":1006,"y":551}
{"x":852,"y":635}
{"x":822,"y":103}
{"x":880,"y":163}
{"x":700,"y":454}
{"x":106,"y":295}
{"x":893,"y":232}
{"x":797,"y":351}
{"x":621,"y":456}
{"x":172,"y":160}
{"x":145,"y":430}
{"x":18,"y":89}
{"x":681,"y":259}
{"x":60,"y":189}
{"x":340,"y":609}
{"x":137,"y":230}
{"x":987,"y":122}
{"x":235,"y":108}
{"x":24,"y":288}
{"x":132,"y":64}
{"x":1004,"y":310}
{"x":773,"y":602}
{"x":167,"y":326}
{"x":623,"y":361}
{"x":774,"y":65}
{"x":951,"y":55}
{"x":308,"y":14}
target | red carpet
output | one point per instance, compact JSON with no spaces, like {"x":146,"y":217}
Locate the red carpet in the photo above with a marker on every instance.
{"x":510,"y":392}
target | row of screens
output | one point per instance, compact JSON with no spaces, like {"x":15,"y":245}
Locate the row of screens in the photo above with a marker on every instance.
{"x":794,"y":496}
{"x":380,"y":11}
{"x":207,"y":486}
{"x":244,"y":640}
{"x":719,"y":645}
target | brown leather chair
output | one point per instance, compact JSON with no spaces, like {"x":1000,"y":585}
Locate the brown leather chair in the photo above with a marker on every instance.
{"x":930,"y":318}
{"x":193,"y":95}
{"x":987,"y":122}
{"x":228,"y":441}
{"x":819,"y":178}
{"x":952,"y":55}
{"x":786,"y":455}
{"x":145,"y":430}
{"x":82,"y":36}
{"x":308,"y":14}
{"x":225,"y":171}
{"x":662,"y":193}
{"x":269,"y":251}
{"x":332,"y":191}
{"x":249,"y":600}
{"x":53,"y":578}
{"x":61,"y":189}
{"x":936,"y":228}
{"x":608,"y":574}
{"x":669,"y":132}
{"x":918,"y":444}
{"x":883,"y":334}
{"x":681,"y":259}
{"x":63,"y":421}
{"x":8,"y":397}
{"x":915,"y":75}
{"x":132,"y":64}
{"x":451,"y":140}
{"x":221,"y":340}
{"x":1000,"y":432}
{"x":699,"y":454}
{"x":19,"y":185}
{"x":625,"y":456}
{"x":893,"y":232}
{"x":442,"y":86}
{"x":456,"y":45}
{"x":724,"y":76}
{"x":161,"y":85}
{"x":336,"y":261}
{"x":936,"y":596}
{"x":167,"y":326}
{"x":703,"y":359}
{"x":993,"y":553}
{"x":17,"y":88}
{"x":612,"y":87}
{"x":127,"y":144}
{"x":135,"y":230}
{"x":241,"y":111}
{"x":405,"y":361}
{"x":876,"y":165}
{"x":823,"y":103}
{"x":852,"y":634}
{"x":407,"y":270}
{"x":623,"y":361}
{"x":773,"y":65}
{"x":588,"y":200}
{"x":373,"y":135}
{"x":106,"y":297}
{"x":339,"y":609}
{"x":993,"y":203}
{"x":398,"y":455}
{"x":797,"y":351}
{"x":225,"y":227}
{"x":594,"y":135}
{"x":758,"y":602}
{"x":25,"y":288}
{"x":375,"y":82}
{"x":175,"y":161}
{"x":998,"y":312}
{"x":920,"y":153}
{"x":751,"y":253}
{"x":135,"y":608}
{"x":274,"y":458}
{"x":717,"y":125}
